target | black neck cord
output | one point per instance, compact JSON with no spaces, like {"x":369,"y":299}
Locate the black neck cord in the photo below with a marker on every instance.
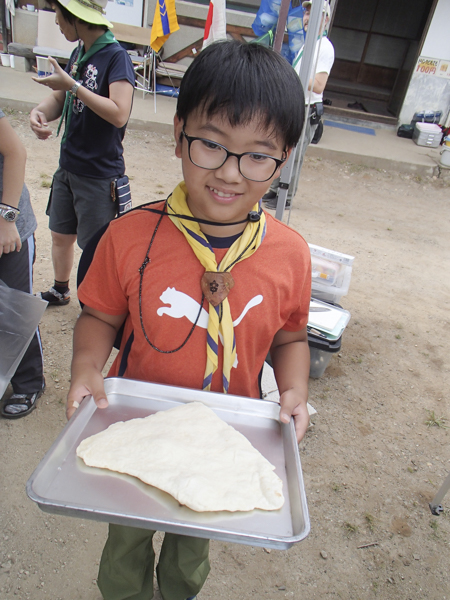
{"x":141,"y":278}
{"x":147,"y":260}
{"x":252,"y":215}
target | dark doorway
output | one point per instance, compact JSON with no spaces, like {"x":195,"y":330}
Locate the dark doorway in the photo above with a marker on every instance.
{"x":376,"y":43}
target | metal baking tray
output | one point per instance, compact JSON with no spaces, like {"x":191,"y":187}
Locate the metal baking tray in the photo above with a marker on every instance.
{"x":63,"y":484}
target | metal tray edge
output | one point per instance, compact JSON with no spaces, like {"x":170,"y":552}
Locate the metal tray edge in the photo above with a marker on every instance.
{"x":277,"y":543}
{"x":262,"y":407}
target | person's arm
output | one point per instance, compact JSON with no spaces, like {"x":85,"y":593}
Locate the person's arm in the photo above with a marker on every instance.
{"x":48,"y":110}
{"x":290,"y":360}
{"x":323,"y":67}
{"x":320,"y":81}
{"x":14,"y":159}
{"x":93,"y":340}
{"x":115,"y":109}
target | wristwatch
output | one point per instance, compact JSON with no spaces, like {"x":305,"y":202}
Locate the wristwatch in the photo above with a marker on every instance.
{"x":74,"y":88}
{"x":9,"y":213}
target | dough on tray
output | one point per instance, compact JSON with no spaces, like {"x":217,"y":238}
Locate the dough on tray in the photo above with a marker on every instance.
{"x":190,"y":453}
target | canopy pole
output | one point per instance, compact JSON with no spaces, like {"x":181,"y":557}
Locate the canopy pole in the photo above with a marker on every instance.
{"x":305,"y":74}
{"x":281,"y":25}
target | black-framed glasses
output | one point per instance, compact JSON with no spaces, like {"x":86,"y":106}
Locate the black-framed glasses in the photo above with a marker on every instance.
{"x":210,"y":155}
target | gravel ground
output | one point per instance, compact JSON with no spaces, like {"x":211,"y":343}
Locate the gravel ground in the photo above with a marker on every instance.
{"x":378,"y":448}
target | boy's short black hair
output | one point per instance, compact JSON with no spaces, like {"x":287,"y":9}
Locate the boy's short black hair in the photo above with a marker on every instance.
{"x":243,"y":81}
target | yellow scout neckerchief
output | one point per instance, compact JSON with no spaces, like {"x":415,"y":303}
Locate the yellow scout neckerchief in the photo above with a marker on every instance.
{"x":242,"y":248}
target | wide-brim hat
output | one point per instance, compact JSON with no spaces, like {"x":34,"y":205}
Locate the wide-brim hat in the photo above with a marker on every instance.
{"x":326,"y":8}
{"x":88,"y":10}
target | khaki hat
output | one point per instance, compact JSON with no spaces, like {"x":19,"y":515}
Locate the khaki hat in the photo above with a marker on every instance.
{"x":88,"y":10}
{"x":326,"y":9}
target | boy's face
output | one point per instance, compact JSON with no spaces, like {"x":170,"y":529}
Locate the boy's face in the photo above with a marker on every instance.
{"x":68,"y":30}
{"x":223,"y":194}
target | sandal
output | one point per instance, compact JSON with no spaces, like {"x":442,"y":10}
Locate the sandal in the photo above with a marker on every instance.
{"x":20,"y":405}
{"x":54,"y":298}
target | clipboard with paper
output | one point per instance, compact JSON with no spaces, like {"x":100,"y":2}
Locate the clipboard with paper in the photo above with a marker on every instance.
{"x":328,"y":319}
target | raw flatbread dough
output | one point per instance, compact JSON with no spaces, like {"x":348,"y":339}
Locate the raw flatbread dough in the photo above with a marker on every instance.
{"x":189,"y":452}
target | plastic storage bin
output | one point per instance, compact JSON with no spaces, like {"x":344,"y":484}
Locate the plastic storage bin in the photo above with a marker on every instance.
{"x":331,"y":255}
{"x":331,"y":273}
{"x":332,"y":293}
{"x":321,"y":351}
{"x":427,"y":134}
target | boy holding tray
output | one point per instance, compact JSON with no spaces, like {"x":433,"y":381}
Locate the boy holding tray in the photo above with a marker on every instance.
{"x":204,"y":282}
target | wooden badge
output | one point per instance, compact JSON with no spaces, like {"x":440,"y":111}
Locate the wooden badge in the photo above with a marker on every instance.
{"x":216,"y":286}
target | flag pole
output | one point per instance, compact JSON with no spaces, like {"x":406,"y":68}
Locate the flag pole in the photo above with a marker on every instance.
{"x":154,"y":79}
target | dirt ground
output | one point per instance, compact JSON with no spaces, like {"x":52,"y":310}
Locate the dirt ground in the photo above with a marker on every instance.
{"x":378,"y":448}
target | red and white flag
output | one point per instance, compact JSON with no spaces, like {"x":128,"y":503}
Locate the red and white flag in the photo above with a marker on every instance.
{"x":216,"y":23}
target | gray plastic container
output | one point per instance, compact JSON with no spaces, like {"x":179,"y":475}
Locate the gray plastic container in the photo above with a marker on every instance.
{"x":321,"y":351}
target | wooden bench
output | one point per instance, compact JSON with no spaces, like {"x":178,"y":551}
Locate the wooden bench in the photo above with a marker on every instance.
{"x":24,"y":50}
{"x":140,"y":36}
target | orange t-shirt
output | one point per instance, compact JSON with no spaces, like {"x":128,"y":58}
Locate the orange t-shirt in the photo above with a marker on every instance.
{"x":272,"y":291}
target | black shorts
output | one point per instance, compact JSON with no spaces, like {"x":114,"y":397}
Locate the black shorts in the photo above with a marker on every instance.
{"x":80,"y":205}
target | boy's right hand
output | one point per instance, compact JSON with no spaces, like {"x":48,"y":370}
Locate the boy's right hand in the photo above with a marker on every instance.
{"x":91,"y":383}
{"x":39,"y":125}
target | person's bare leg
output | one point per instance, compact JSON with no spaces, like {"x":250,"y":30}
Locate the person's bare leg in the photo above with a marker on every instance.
{"x":63,"y":246}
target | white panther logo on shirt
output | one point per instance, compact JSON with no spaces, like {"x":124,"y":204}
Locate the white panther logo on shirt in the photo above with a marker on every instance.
{"x":182,"y":305}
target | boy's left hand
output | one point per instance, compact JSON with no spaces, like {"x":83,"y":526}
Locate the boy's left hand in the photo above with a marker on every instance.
{"x":293,"y":404}
{"x":9,"y":238}
{"x":59,"y":80}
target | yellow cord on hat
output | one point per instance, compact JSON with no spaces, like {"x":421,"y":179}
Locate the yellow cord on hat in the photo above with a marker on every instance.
{"x":242,"y":248}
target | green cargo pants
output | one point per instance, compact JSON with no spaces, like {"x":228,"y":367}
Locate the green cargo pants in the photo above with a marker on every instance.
{"x":127,"y":563}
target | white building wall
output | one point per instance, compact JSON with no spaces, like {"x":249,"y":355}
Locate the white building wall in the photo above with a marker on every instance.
{"x":437,"y":43}
{"x":429,"y":88}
